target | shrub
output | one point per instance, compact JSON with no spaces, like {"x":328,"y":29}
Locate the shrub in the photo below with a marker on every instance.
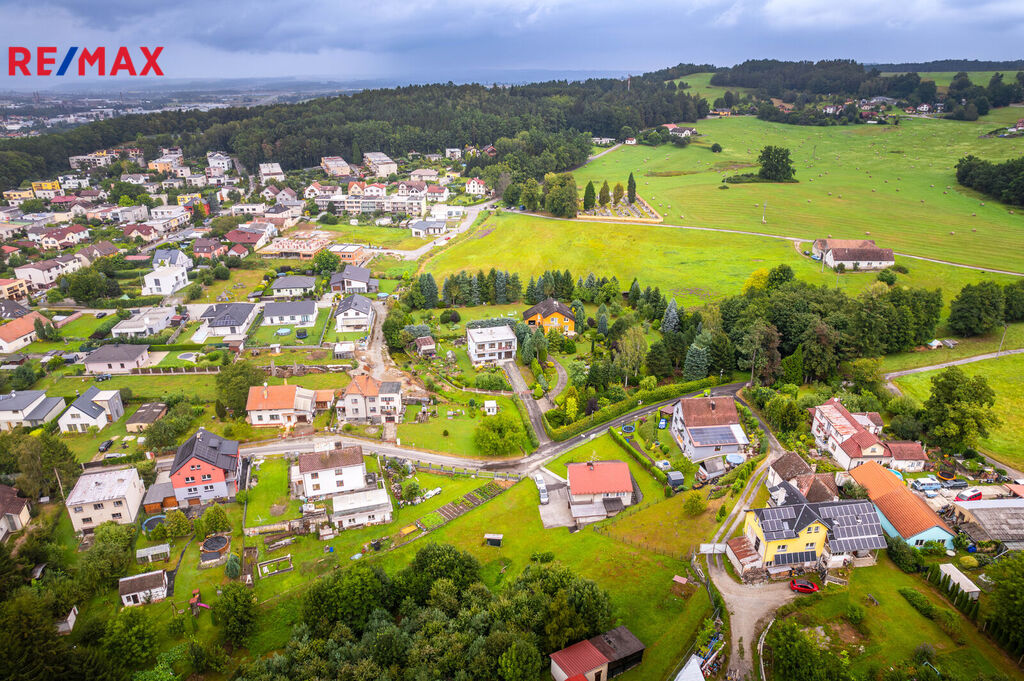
{"x":968,"y":562}
{"x":854,"y":614}
{"x":919,"y":602}
{"x":905,"y":556}
{"x":694,"y":504}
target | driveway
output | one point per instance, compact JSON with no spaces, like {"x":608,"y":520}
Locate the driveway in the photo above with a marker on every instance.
{"x":556,"y":512}
{"x":518,"y":384}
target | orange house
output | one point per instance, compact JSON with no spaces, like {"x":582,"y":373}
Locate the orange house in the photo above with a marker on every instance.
{"x":551,"y":315}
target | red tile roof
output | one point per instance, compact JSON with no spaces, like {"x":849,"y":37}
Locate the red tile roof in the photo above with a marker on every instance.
{"x":599,"y":477}
{"x":578,"y":658}
{"x":21,"y":327}
{"x":363,"y":385}
{"x":903,"y":450}
{"x":709,"y":411}
{"x":906,"y":511}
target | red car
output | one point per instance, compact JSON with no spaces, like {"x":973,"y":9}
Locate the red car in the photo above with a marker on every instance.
{"x":969,"y":495}
{"x":802,"y":586}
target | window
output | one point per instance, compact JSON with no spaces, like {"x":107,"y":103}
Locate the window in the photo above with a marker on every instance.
{"x":190,"y":478}
{"x":194,"y":467}
{"x":919,"y":542}
{"x":817,"y":529}
{"x":118,"y":504}
{"x":782,"y":548}
{"x":371,"y":517}
{"x":116,"y":516}
{"x":207,"y":488}
{"x":86,"y":520}
{"x":809,"y":546}
{"x":207,"y":476}
{"x":97,"y":507}
{"x":314,"y":476}
{"x":77,"y":509}
{"x":316,"y":487}
{"x":192,"y":490}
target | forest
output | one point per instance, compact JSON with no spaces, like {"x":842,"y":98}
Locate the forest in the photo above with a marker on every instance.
{"x":1002,"y":181}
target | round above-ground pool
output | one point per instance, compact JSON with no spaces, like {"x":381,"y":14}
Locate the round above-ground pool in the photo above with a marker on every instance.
{"x":213,"y":548}
{"x":151,"y":523}
{"x":187,"y":356}
{"x":628,"y":429}
{"x":735,"y":459}
{"x":896,"y":473}
{"x":283,"y":332}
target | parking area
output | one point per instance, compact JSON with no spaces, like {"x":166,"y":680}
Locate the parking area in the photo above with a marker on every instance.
{"x":948,"y":496}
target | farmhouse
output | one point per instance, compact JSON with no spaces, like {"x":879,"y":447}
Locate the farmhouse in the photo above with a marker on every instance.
{"x":367,"y":399}
{"x":293,"y":286}
{"x":853,"y":254}
{"x":149,"y":587}
{"x":21,"y":408}
{"x":94,"y":408}
{"x":206,"y":467}
{"x":551,"y":315}
{"x":111,"y":495}
{"x":14,"y":511}
{"x":318,"y":475}
{"x":299,"y":313}
{"x":279,"y":405}
{"x":707,"y":427}
{"x":903,"y":513}
{"x":116,"y":358}
{"x":354,"y":313}
{"x":356,"y":509}
{"x":602,"y":657}
{"x":492,"y":344}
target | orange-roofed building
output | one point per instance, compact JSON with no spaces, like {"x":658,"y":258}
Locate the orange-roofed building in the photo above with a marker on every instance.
{"x":20,"y":332}
{"x":602,"y":657}
{"x":280,"y":406}
{"x":366,"y":399}
{"x":902,"y":512}
{"x":595,"y":481}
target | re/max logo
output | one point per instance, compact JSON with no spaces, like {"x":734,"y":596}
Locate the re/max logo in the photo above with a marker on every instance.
{"x":90,"y":62}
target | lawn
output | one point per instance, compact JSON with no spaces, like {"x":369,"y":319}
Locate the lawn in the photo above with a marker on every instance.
{"x":86,"y":446}
{"x":895,"y":629}
{"x":966,"y":347}
{"x":267,"y":335}
{"x":460,"y":428}
{"x":269,"y":500}
{"x":370,"y":235}
{"x":248,"y":278}
{"x":894,"y":183}
{"x":1004,"y":376}
{"x":146,"y":387}
{"x":72,"y":334}
{"x":605,"y":448}
{"x":691,"y":265}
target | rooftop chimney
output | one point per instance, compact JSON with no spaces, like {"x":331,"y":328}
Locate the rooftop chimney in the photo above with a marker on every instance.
{"x":265,"y":390}
{"x":712,"y":405}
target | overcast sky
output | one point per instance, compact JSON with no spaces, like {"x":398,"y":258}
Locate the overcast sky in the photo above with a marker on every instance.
{"x":448,"y":39}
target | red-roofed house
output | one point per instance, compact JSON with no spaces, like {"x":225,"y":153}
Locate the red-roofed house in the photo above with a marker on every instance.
{"x":602,"y":657}
{"x":906,"y":456}
{"x":476,"y":187}
{"x":147,"y":233}
{"x":852,"y":439}
{"x":598,"y":489}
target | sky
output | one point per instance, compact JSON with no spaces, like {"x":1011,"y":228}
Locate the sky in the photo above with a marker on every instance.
{"x":440,"y":40}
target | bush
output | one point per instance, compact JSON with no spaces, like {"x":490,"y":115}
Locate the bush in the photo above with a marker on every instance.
{"x":854,"y":614}
{"x":905,"y":556}
{"x":658,"y":474}
{"x":694,"y":504}
{"x":968,"y":562}
{"x":919,"y":602}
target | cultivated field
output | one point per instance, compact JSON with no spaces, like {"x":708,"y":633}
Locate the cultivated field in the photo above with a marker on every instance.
{"x":695,"y":266}
{"x":1003,"y":374}
{"x":894,"y":184}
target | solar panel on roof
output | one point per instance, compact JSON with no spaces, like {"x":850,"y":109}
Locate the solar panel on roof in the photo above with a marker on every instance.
{"x":796,"y":557}
{"x":713,"y":435}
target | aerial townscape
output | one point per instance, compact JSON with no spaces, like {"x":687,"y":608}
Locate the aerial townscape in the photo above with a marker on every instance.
{"x":706,"y":372}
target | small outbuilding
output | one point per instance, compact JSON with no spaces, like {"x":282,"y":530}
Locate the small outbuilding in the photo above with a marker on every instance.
{"x":676,"y":479}
{"x":604,"y":656}
{"x":145,"y":416}
{"x":493,"y":539}
{"x":149,"y":587}
{"x":961,"y":580}
{"x":151,"y":553}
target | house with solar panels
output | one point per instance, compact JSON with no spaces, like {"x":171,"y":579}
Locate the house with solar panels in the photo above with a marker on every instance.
{"x":799,"y":535}
{"x":708,"y":427}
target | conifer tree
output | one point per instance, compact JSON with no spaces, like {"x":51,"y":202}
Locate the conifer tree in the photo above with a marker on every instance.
{"x":588,"y":196}
{"x":605,"y":196}
{"x":670,"y":322}
{"x":631,"y":189}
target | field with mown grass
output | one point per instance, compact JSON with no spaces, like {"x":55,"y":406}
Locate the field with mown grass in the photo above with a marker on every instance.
{"x":268,"y":335}
{"x":370,"y":235}
{"x":460,"y":428}
{"x":241,"y":283}
{"x":966,"y":347}
{"x":694,"y":266}
{"x":1004,"y":376}
{"x":72,"y":335}
{"x":893,"y":184}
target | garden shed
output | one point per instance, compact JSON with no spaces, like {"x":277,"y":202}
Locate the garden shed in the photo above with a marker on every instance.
{"x":961,"y":580}
{"x":493,"y":539}
{"x":676,"y":479}
{"x":151,"y":553}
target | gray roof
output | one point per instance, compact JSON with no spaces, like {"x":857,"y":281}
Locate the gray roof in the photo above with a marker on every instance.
{"x":298,"y":307}
{"x":227,"y":314}
{"x":355,"y":302}
{"x":44,"y":408}
{"x":207,"y":447}
{"x":172,"y":256}
{"x":117,"y":352}
{"x":390,"y":387}
{"x":157,"y":492}
{"x":148,"y":413}
{"x":429,"y":224}
{"x":12,"y":310}
{"x":84,"y":403}
{"x":147,"y":581}
{"x":16,"y":400}
{"x":853,"y":525}
{"x":356,"y":273}
{"x":293,"y":281}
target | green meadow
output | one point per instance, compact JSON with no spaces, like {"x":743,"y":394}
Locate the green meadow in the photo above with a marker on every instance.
{"x":893,"y":184}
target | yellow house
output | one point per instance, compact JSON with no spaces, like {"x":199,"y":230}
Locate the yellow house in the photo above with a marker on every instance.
{"x":185,"y":198}
{"x":163,"y":165}
{"x":13,"y":289}
{"x":784,"y":545}
{"x":18,"y":195}
{"x":46,"y":186}
{"x":551,"y":315}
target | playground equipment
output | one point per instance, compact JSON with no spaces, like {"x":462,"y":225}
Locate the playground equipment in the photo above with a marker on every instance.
{"x":194,"y":603}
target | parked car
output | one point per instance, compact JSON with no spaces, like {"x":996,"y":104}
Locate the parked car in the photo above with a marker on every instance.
{"x":662,"y":424}
{"x":101,"y":315}
{"x":803,"y":586}
{"x":102,"y":377}
{"x":955,"y":484}
{"x":105,"y":445}
{"x":542,"y":488}
{"x":973,"y":494}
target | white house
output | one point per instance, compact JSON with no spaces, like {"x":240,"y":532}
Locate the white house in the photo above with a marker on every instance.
{"x":94,"y":407}
{"x":328,"y":473}
{"x":109,"y":495}
{"x":227,"y":319}
{"x":453,"y":153}
{"x":357,"y":509}
{"x":443,"y":211}
{"x":379,"y":164}
{"x":280,"y":405}
{"x":171,"y":257}
{"x":851,"y":439}
{"x":298,"y":313}
{"x":220,"y":160}
{"x":707,"y":427}
{"x":476,"y":187}
{"x":148,"y":322}
{"x":428,"y":228}
{"x":271,"y":171}
{"x":355,"y":313}
{"x":491,"y":344}
{"x":116,"y":358}
{"x":367,"y":399}
{"x":149,"y":587}
{"x":353,"y":279}
{"x":163,"y":281}
{"x":20,"y":408}
{"x":292,"y":286}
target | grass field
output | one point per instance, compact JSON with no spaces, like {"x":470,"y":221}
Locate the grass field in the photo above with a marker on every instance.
{"x":143,"y":387}
{"x":72,"y":335}
{"x":1004,"y":376}
{"x":700,"y":85}
{"x":882,"y":182}
{"x":371,"y":235}
{"x":270,"y":501}
{"x":895,"y":629}
{"x":267,"y":335}
{"x":86,"y":446}
{"x":461,"y":427}
{"x":694,"y":266}
{"x":966,"y":347}
{"x":249,"y":280}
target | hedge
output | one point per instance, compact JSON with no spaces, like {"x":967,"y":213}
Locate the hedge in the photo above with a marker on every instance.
{"x":658,"y":474}
{"x":113,"y":303}
{"x":177,"y":347}
{"x":613,"y":411}
{"x":521,"y":408}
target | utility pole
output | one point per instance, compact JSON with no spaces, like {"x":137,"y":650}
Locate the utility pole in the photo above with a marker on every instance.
{"x":60,"y":484}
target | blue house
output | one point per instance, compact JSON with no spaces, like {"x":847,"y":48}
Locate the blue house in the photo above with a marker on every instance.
{"x":902,"y":513}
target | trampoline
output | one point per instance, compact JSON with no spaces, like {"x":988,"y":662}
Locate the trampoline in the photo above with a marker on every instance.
{"x":151,"y":523}
{"x":628,"y":429}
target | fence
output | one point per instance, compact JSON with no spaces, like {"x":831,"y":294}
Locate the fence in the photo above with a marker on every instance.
{"x":452,"y":470}
{"x":175,"y":370}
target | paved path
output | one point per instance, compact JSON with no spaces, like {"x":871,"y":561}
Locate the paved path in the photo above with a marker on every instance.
{"x":471,"y":214}
{"x":518,"y":383}
{"x":600,"y":154}
{"x":563,"y":379}
{"x":953,"y":362}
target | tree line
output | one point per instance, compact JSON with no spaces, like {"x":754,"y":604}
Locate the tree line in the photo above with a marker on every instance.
{"x":1002,"y":181}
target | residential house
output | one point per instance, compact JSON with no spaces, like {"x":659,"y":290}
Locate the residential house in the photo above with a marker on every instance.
{"x":16,"y":197}
{"x":238,"y":250}
{"x":96,"y":159}
{"x":109,"y":495}
{"x":28,"y":408}
{"x":476,"y":187}
{"x":302,"y":249}
{"x":791,"y":468}
{"x":171,"y":257}
{"x":334,"y":165}
{"x":349,"y":253}
{"x":100,"y":249}
{"x":164,"y":281}
{"x":148,"y":587}
{"x":10,"y":309}
{"x":682,"y":131}
{"x":490,"y":345}
{"x":206,"y":467}
{"x":354,"y":313}
{"x":367,"y":399}
{"x":170,"y":217}
{"x":272,"y":192}
{"x":20,"y":332}
{"x":903,"y":513}
{"x":46,"y":190}
{"x":93,"y":408}
{"x":228,"y":319}
{"x":442,"y":211}
{"x":147,"y":233}
{"x":353,"y":279}
{"x":147,"y":322}
{"x":359,"y":509}
{"x":248,"y":237}
{"x":436,"y":193}
{"x":853,"y":254}
{"x":602,"y":657}
{"x":992,"y":520}
{"x":707,"y":427}
{"x":428,"y":228}
{"x":425,"y":346}
{"x":249,"y":209}
{"x":116,"y":358}
{"x":376,"y":190}
{"x":453,"y":153}
{"x":208,"y":248}
{"x":379,"y":164}
{"x":270,"y":171}
{"x":14,"y":512}
{"x":424,"y":175}
{"x":135,"y":178}
{"x":63,"y":237}
{"x":598,"y":489}
{"x":629,"y":141}
{"x":219,"y":160}
{"x":851,"y":439}
{"x":13,"y":289}
{"x":280,"y":405}
{"x":146,"y":415}
{"x":804,"y":535}
{"x":320,"y":474}
{"x":906,"y":456}
{"x":299,"y":313}
{"x":411,"y":188}
{"x":551,"y":315}
{"x":293,"y":286}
